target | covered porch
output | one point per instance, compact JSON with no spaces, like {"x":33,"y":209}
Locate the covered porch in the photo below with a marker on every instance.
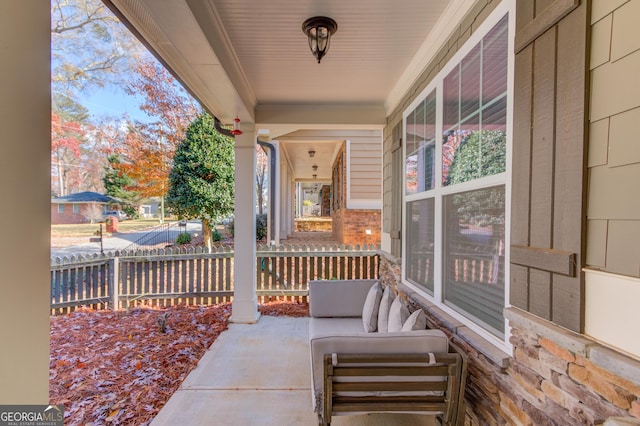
{"x":558,"y":349}
{"x":321,"y":123}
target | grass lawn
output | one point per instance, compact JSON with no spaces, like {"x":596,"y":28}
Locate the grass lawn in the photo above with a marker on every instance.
{"x":87,"y":229}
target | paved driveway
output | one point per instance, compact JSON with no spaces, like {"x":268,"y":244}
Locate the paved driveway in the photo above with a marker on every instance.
{"x":114,"y":242}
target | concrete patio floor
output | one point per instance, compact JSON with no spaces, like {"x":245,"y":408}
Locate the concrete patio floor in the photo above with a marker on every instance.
{"x":259,"y":375}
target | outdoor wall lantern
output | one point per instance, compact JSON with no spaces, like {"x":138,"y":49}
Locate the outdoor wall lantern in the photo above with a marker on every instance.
{"x":314,"y":167}
{"x":319,"y":30}
{"x":311,"y":153}
{"x":315,"y":176}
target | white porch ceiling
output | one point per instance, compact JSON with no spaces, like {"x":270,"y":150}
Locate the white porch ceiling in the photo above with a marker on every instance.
{"x":243,"y":56}
{"x":250,"y":58}
{"x":374,"y":43}
{"x":297,"y":154}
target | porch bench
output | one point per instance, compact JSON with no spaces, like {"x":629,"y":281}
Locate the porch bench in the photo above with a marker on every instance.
{"x":356,"y":372}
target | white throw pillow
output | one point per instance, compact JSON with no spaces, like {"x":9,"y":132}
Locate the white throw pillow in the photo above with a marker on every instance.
{"x":398,"y":314}
{"x":371,"y":307}
{"x":416,"y":321}
{"x":383,"y":312}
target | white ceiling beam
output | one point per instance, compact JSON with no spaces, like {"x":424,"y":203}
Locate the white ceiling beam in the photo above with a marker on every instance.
{"x":369,"y":116}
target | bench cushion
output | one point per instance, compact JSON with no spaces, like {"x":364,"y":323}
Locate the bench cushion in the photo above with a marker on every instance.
{"x":398,"y":315}
{"x":416,"y":321}
{"x":383,"y":312}
{"x":371,"y":308}
{"x":338,"y":298}
{"x":327,"y":327}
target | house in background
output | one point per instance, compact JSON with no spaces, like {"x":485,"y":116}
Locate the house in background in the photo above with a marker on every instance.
{"x":81,"y":207}
{"x":150,"y":208}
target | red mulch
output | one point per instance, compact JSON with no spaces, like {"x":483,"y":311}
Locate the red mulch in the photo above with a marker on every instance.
{"x":283,"y":308}
{"x":110,"y":367}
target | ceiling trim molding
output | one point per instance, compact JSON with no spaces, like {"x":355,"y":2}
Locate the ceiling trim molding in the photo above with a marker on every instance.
{"x":372,"y":116}
{"x":330,"y":134}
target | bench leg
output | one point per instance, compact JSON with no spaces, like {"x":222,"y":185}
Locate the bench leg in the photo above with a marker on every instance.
{"x":323,"y":422}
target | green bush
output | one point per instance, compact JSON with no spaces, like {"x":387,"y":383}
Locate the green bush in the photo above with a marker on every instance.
{"x":261,"y":227}
{"x":482,"y":153}
{"x":184,"y":238}
{"x":216,"y":236}
{"x":131,"y":212}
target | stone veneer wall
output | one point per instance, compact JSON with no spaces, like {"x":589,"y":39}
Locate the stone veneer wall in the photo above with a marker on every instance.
{"x":556,"y":377}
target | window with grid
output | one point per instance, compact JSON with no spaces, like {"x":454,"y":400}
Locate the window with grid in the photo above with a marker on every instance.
{"x":455,"y":162}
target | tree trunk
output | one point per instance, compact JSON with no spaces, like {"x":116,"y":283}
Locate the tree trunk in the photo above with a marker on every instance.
{"x":260,"y":201}
{"x":206,"y":233}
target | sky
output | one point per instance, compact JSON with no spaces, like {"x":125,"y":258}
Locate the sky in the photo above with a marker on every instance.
{"x":113,"y":101}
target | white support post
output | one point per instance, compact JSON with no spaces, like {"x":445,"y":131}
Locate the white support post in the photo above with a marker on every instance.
{"x":114,"y":283}
{"x":25,"y":185}
{"x":245,"y":299}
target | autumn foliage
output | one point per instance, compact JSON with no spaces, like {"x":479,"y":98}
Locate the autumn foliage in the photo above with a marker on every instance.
{"x":146,"y":164}
{"x":66,"y":141}
{"x":147,"y":150}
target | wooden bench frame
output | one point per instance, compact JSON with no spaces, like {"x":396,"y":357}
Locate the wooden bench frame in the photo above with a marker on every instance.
{"x":446,"y":378}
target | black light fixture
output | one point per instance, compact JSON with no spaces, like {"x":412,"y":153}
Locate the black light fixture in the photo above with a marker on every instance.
{"x":319,"y":30}
{"x":314,"y":176}
{"x":314,"y":167}
{"x":311,"y":153}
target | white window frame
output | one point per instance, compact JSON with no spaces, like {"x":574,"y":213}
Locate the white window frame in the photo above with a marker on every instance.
{"x":440,"y":191}
{"x":76,"y":208}
{"x":60,"y":208}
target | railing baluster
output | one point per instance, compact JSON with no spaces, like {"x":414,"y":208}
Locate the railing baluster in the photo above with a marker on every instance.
{"x":167,"y":277}
{"x":225,"y":274}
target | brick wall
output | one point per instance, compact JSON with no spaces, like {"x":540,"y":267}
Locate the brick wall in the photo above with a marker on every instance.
{"x":68,"y":216}
{"x":555,"y":376}
{"x":349,"y":226}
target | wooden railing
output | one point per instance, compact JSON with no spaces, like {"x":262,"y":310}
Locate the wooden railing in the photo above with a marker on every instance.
{"x":166,"y":277}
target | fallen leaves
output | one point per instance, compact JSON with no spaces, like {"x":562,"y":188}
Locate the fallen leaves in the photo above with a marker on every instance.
{"x":280,"y":307}
{"x":119,"y":367}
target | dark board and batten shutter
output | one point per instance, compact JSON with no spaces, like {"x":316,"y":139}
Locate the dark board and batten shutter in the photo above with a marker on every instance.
{"x":549,"y":152}
{"x":397,"y":164}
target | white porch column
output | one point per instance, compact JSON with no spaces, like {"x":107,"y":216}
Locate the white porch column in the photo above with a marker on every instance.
{"x":245,"y":300}
{"x":25,"y":159}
